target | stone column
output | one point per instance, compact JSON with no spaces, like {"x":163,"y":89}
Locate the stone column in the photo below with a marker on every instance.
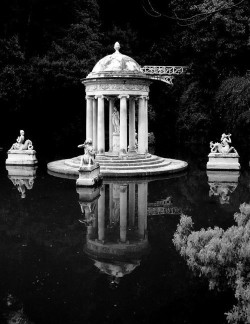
{"x":101,"y":215}
{"x":146,"y":116}
{"x":123,"y":213}
{"x":142,"y":126}
{"x":95,"y":124}
{"x":131,"y":125}
{"x":110,"y":203}
{"x":100,"y":126}
{"x":111,"y":107}
{"x":123,"y":124}
{"x":131,"y":199}
{"x":89,"y":117}
{"x":142,"y":208}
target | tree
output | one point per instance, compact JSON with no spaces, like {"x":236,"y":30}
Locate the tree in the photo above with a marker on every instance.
{"x":218,"y":36}
{"x":73,"y":56}
{"x":232,"y":101}
{"x":13,"y":74}
{"x":223,"y":256}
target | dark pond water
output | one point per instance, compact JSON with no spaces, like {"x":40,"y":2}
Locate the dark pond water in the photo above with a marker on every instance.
{"x":106,"y":255}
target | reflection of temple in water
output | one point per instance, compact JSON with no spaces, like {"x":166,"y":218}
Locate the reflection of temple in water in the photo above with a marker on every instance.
{"x":116,"y":219}
{"x":222,"y":184}
{"x":22,"y":177}
{"x":163,"y":207}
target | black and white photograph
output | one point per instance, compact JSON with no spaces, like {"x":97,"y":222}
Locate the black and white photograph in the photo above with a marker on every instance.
{"x":125,"y":162}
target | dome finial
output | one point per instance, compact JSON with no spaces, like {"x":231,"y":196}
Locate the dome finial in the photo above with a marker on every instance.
{"x":117,"y":47}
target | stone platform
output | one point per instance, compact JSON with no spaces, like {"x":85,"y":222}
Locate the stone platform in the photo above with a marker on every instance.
{"x":140,"y":166}
{"x":219,"y":161}
{"x":21,"y":157}
{"x":89,"y":175}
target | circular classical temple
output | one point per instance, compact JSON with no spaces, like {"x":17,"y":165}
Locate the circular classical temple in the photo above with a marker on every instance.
{"x":117,"y":94}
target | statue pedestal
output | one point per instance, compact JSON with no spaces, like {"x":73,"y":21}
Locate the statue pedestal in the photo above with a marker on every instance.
{"x":21,"y":157}
{"x":116,"y":143}
{"x":89,"y":175}
{"x":220,"y":161}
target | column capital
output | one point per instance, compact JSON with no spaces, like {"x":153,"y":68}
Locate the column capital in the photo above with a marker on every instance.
{"x":110,"y":98}
{"x":100,"y":96}
{"x":123,"y":188}
{"x":123,"y":96}
{"x":131,"y":98}
{"x":89,"y":97}
{"x":143,"y":97}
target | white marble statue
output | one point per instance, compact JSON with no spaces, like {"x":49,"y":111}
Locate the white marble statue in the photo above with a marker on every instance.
{"x":21,"y":144}
{"x":89,"y":153}
{"x":224,"y":146}
{"x":116,"y":120}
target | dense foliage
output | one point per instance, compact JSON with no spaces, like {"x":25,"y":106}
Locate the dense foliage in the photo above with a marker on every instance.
{"x":47,"y":46}
{"x":223,"y":256}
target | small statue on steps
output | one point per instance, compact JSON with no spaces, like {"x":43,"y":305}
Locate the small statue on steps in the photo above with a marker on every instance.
{"x":89,"y":153}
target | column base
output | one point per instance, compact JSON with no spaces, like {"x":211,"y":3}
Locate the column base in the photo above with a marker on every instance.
{"x":123,"y":152}
{"x":132,"y":151}
{"x":116,"y":143}
{"x":101,"y":152}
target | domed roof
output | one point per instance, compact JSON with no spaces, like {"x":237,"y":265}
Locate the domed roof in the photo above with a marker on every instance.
{"x":116,"y":64}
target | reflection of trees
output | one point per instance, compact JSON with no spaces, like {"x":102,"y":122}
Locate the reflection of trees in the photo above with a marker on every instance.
{"x":223,"y":256}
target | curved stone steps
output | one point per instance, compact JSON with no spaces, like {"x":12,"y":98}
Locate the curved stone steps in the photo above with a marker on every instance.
{"x":74,"y":162}
{"x":134,"y":163}
{"x":135,"y":166}
{"x":152,"y":165}
{"x":101,"y":159}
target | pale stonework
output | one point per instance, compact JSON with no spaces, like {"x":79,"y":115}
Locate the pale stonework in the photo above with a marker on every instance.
{"x":219,"y":161}
{"x":21,"y":152}
{"x":222,"y":155}
{"x":118,"y":77}
{"x":89,"y":175}
{"x":119,"y":81}
{"x":21,"y":157}
{"x":116,"y":143}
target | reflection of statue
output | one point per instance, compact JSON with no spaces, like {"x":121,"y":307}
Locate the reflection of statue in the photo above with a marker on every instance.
{"x":88,"y":210}
{"x":115,"y":215}
{"x":116,"y":120}
{"x":21,"y":144}
{"x":89,"y":153}
{"x":223,"y":190}
{"x":22,"y":185}
{"x":223,"y":147}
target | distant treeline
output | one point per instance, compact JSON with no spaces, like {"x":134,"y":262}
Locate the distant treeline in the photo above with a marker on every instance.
{"x":47,"y":46}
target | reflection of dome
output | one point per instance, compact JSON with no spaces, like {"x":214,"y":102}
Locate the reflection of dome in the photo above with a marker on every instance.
{"x":116,"y":269}
{"x":117,"y":64}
